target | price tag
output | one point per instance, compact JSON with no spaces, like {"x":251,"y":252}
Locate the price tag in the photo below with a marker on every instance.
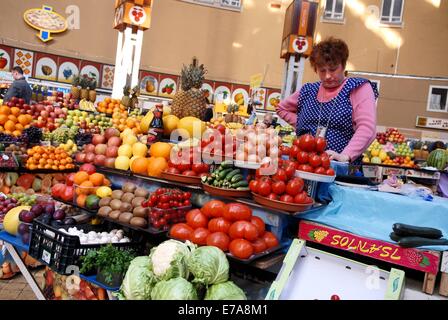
{"x":46,"y":256}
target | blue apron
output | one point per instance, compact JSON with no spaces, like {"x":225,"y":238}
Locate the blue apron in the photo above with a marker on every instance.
{"x":337,"y":113}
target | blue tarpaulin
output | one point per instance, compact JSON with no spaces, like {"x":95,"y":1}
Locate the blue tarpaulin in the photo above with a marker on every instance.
{"x":371,"y":214}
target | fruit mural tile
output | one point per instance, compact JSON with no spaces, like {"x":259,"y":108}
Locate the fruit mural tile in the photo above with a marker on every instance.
{"x":223,"y":91}
{"x":107,"y":81}
{"x":149,"y":83}
{"x":45,"y":66}
{"x":68,"y":69}
{"x":91,"y":69}
{"x":168,"y":85}
{"x":240,"y":94}
{"x":209,"y":90}
{"x":6,"y":55}
{"x":24,"y":59}
{"x":259,"y":97}
{"x":273,"y":99}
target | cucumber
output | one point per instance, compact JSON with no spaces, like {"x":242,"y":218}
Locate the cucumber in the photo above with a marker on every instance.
{"x":222,"y":175}
{"x":210,"y":180}
{"x":404,"y":230}
{"x":232,"y":174}
{"x":237,"y":178}
{"x":215,"y":183}
{"x":413,"y":242}
{"x":240,"y":184}
{"x":227,"y":164}
{"x":395,"y":237}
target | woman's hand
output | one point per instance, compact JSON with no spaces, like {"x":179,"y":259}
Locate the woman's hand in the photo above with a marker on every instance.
{"x":338,"y":156}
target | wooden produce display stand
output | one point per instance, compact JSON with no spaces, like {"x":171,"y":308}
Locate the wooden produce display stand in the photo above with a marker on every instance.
{"x":426,"y":261}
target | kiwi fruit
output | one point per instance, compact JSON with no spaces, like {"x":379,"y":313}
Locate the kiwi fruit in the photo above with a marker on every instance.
{"x":140,"y":192}
{"x":140,"y":212}
{"x":117,"y":194}
{"x":104,"y":211}
{"x":128,"y":197}
{"x":115,"y":214}
{"x":129,"y":187}
{"x":125,"y":217}
{"x":105,"y":202}
{"x":115,"y":204}
{"x":139,"y":222}
{"x":125,"y":207}
{"x":137,"y":201}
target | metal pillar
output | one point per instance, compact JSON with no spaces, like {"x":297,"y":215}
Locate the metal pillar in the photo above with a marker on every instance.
{"x":294,"y":70}
{"x":127,"y":62}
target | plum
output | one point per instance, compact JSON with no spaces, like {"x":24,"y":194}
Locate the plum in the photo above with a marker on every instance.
{"x":37,"y":209}
{"x":50,"y":209}
{"x":28,"y":217}
{"x":70,"y":222}
{"x":59,"y":215}
{"x":23,"y":228}
{"x":26,"y":237}
{"x":22,"y":215}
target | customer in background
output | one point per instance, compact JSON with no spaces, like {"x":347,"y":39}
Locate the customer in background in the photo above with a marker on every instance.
{"x":19,"y":88}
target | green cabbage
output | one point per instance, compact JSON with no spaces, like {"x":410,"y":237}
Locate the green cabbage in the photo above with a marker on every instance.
{"x":174,"y":289}
{"x":225,"y":291}
{"x":169,"y":260}
{"x":139,"y":280}
{"x":209,"y":266}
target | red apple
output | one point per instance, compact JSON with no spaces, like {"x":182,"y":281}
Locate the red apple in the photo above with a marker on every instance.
{"x":90,"y":157}
{"x":98,"y":139}
{"x":114,"y":142}
{"x":111,"y":132}
{"x":109,"y":163}
{"x":100,"y":160}
{"x":90,"y":148}
{"x":89,"y":168}
{"x":81,"y":157}
{"x":101,"y":149}
{"x":112,"y":152}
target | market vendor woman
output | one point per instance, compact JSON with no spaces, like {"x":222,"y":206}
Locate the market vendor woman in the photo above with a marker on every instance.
{"x":339,"y":108}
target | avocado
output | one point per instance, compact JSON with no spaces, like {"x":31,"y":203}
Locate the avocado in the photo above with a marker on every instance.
{"x":93,"y":202}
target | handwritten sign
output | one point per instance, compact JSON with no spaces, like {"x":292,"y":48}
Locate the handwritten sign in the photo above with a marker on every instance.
{"x":432,"y":123}
{"x":426,"y":261}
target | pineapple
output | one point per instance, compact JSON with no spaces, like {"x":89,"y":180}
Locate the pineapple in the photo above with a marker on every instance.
{"x":92,"y":91}
{"x":75,"y":87}
{"x":190,"y":100}
{"x":84,"y":83}
{"x":126,"y":100}
{"x":134,"y":97}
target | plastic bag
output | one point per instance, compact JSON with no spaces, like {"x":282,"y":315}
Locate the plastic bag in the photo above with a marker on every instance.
{"x":416,"y":192}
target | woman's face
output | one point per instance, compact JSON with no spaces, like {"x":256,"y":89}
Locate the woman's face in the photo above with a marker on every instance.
{"x":331,"y":76}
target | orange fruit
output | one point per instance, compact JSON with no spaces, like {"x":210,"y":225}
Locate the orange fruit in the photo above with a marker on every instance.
{"x":140,"y":166}
{"x":13,"y":118}
{"x":15,"y":111}
{"x":19,"y":127}
{"x":5,"y":110}
{"x":81,"y":200}
{"x":86,"y":187}
{"x":17,"y":133}
{"x":81,"y":177}
{"x":10,"y":126}
{"x":3,"y":119}
{"x":23,"y":119}
{"x":156,"y":166}
{"x":107,"y":183}
{"x":97,"y":179}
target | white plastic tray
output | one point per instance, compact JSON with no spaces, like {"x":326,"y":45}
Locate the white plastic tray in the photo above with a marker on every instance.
{"x":315,"y":177}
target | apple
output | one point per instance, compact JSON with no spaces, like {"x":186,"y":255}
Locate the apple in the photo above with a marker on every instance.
{"x":100,"y":149}
{"x":90,"y":157}
{"x":80,"y":157}
{"x":90,"y":148}
{"x":89,"y":168}
{"x":114,"y":142}
{"x":100,"y":160}
{"x":98,"y":139}
{"x":109,"y":163}
{"x":111,"y":132}
{"x":112,"y":152}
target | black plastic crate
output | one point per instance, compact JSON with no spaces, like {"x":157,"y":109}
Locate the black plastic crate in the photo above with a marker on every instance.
{"x":62,"y":252}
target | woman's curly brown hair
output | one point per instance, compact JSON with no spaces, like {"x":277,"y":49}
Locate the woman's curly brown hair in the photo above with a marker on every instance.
{"x":330,"y":52}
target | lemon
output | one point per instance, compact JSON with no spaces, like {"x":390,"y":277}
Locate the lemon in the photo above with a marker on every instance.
{"x":104,"y":192}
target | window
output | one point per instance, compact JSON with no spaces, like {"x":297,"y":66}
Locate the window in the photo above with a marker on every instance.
{"x":392,"y":11}
{"x":437,"y":100}
{"x":334,"y":10}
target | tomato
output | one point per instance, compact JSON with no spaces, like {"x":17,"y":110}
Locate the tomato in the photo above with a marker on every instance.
{"x":243,"y":229}
{"x":302,"y":157}
{"x":290,"y":170}
{"x":307,"y":168}
{"x":259,"y":245}
{"x":285,"y":150}
{"x":294,"y":187}
{"x":273,"y":196}
{"x":300,"y":198}
{"x":287,"y":198}
{"x":264,"y":189}
{"x":220,"y":240}
{"x":196,"y":219}
{"x":278,"y":187}
{"x":295,"y":142}
{"x":325,"y":161}
{"x":68,"y":194}
{"x":315,"y":161}
{"x":181,"y":231}
{"x":241,"y":248}
{"x":237,"y":211}
{"x":321,"y":144}
{"x":270,"y":239}
{"x":189,"y":173}
{"x":307,"y":143}
{"x":219,"y":225}
{"x":200,"y":168}
{"x":172,"y":170}
{"x":330,"y":172}
{"x":182,"y":167}
{"x":57,"y":190}
{"x":293,"y":152}
{"x":213,"y":209}
{"x":70,"y":179}
{"x":199,"y":236}
{"x":253,"y":186}
{"x":259,"y":223}
{"x":320,"y":170}
{"x":280,"y":175}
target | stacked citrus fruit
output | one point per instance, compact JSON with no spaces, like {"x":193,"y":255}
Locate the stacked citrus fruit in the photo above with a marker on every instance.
{"x":110,"y":106}
{"x":122,"y":121}
{"x":50,"y":158}
{"x":90,"y":184}
{"x":12,"y":122}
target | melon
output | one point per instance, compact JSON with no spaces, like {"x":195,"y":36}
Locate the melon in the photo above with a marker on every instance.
{"x":170,"y":124}
{"x":146,"y":122}
{"x":11,"y":221}
{"x":438,"y":159}
{"x":193,"y":126}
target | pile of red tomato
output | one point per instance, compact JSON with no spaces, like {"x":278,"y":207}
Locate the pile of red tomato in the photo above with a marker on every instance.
{"x":309,"y":152}
{"x":282,"y":186}
{"x":230,"y":227}
{"x":188,"y":168}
